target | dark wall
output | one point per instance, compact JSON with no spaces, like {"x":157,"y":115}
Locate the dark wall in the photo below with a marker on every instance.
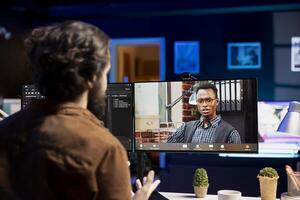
{"x":213,"y":32}
{"x":14,"y":67}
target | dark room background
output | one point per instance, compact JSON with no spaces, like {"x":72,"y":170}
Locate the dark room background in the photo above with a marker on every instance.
{"x":213,"y":24}
{"x":272,"y":26}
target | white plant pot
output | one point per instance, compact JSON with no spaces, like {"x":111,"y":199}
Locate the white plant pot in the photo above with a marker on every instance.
{"x":200,"y":191}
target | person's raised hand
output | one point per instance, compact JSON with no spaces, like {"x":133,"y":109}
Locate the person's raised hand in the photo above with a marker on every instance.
{"x":144,"y":190}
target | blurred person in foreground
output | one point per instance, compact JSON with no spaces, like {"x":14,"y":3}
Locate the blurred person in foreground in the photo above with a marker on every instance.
{"x":57,"y":148}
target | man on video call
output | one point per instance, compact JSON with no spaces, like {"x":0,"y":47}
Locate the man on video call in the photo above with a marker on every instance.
{"x":210,"y":128}
{"x":56,"y":148}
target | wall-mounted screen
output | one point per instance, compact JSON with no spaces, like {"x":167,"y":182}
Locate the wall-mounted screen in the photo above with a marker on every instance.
{"x":186,"y":57}
{"x":202,"y":116}
{"x":246,"y":55}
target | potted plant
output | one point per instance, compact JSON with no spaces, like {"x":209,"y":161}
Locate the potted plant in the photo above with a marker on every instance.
{"x":268,"y":178}
{"x":200,"y":182}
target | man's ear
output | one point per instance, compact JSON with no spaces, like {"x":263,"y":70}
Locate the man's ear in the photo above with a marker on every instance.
{"x":90,"y":82}
{"x":217,"y":101}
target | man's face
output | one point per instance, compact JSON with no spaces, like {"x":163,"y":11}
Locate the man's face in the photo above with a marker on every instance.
{"x":207,"y":103}
{"x":96,"y":99}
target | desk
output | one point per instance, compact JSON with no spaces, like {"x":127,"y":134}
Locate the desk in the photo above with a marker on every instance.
{"x":184,"y":196}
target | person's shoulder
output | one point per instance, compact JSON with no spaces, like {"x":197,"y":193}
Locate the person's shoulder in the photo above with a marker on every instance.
{"x":191,"y":123}
{"x":104,"y":136}
{"x":11,"y":122}
{"x":81,"y":139}
{"x":100,"y":138}
{"x":99,"y":142}
{"x":10,"y":119}
{"x":227,"y":124}
{"x":83,"y":130}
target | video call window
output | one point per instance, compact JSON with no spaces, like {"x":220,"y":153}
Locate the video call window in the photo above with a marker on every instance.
{"x":170,"y":116}
{"x":245,"y":55}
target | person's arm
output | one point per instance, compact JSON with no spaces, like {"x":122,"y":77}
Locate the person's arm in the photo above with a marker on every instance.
{"x":178,"y":136}
{"x":234,"y":137}
{"x":113,"y":175}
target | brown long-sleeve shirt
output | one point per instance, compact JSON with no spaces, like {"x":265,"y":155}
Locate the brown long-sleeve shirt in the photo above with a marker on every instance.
{"x":60,"y":152}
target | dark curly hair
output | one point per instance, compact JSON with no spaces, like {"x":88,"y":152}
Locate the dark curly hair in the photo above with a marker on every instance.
{"x":64,"y":56}
{"x":207,"y":85}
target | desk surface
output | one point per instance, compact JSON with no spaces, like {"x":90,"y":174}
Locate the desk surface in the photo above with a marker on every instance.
{"x":184,"y":196}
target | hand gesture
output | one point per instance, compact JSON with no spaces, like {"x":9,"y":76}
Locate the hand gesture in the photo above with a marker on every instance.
{"x":144,"y":191}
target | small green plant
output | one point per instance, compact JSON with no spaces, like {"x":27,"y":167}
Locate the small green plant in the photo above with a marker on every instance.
{"x":268,"y":172}
{"x":200,"y":178}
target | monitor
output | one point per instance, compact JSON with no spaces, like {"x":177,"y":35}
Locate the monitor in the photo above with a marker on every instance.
{"x":29,"y":92}
{"x":244,"y":55}
{"x":270,"y":114}
{"x":164,"y":112}
{"x":119,"y":112}
{"x":119,"y":109}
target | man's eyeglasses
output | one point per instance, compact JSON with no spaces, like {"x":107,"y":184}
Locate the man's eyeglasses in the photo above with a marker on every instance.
{"x":207,"y":101}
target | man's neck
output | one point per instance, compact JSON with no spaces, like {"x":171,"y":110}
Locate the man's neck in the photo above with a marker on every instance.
{"x":82,"y":100}
{"x":209,"y":118}
{"x":206,"y":120}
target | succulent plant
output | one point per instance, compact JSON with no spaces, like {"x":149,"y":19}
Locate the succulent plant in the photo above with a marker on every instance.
{"x":268,"y":172}
{"x":200,"y":178}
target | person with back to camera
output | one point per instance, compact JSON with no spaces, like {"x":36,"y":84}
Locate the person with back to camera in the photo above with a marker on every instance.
{"x":210,"y":128}
{"x":56,"y":148}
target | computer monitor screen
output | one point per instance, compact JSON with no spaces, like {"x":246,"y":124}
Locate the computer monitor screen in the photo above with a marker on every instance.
{"x":29,"y":92}
{"x":192,"y":116}
{"x":270,"y":114}
{"x":119,"y":109}
{"x":119,"y":113}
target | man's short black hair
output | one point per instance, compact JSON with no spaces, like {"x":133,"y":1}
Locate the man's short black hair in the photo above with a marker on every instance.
{"x":207,"y":85}
{"x":64,"y":56}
